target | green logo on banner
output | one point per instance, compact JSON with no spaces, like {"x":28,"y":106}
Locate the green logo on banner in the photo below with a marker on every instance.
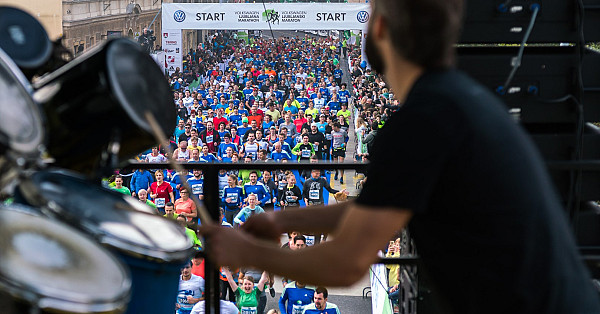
{"x":271,"y":16}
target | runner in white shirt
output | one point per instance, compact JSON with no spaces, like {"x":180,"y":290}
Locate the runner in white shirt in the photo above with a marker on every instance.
{"x":191,"y":288}
{"x":155,"y":156}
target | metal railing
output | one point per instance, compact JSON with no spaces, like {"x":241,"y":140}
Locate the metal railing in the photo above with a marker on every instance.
{"x":212,"y":201}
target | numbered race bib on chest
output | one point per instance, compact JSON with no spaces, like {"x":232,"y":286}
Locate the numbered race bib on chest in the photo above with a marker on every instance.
{"x":248,"y":310}
{"x":310,"y":240}
{"x":197,"y":189}
{"x":313,"y":194}
{"x":297,"y":308}
{"x":160,"y":202}
{"x":209,"y":138}
{"x":328,"y":137}
{"x":233,"y":196}
{"x":306,"y":153}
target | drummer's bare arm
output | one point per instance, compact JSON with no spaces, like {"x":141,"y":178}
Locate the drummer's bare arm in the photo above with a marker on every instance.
{"x":363,"y":231}
{"x":323,"y":219}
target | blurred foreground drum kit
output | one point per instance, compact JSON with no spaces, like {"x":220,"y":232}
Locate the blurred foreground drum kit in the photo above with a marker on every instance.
{"x":68,"y":245}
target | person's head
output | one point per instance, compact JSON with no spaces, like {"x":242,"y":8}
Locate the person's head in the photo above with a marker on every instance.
{"x":320,"y":298}
{"x":291,"y":179}
{"x":169,"y":209}
{"x":142,"y":195}
{"x":158,"y":175}
{"x":118,"y":181}
{"x":248,"y":284}
{"x":420,"y":32}
{"x":195,"y":153}
{"x":227,"y":138}
{"x":262,"y":154}
{"x":197,"y":173}
{"x":188,"y":128}
{"x":197,"y":259}
{"x":209,"y":125}
{"x":252,"y":200}
{"x":184,"y":192}
{"x":277,"y":147}
{"x":251,"y":137}
{"x":183,"y":145}
{"x":316,"y":173}
{"x":305,"y":139}
{"x":253,"y":177}
{"x":336,"y":126}
{"x":299,"y":242}
{"x":186,"y":270}
{"x":232,"y":180}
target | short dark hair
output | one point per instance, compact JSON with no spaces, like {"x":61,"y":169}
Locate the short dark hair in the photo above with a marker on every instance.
{"x":425,"y":31}
{"x":299,"y":238}
{"x":170,"y":204}
{"x":322,"y":290}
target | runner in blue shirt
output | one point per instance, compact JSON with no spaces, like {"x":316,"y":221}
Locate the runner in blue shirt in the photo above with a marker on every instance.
{"x":197,"y":184}
{"x":232,"y":198}
{"x":255,"y":187}
{"x":297,"y":296}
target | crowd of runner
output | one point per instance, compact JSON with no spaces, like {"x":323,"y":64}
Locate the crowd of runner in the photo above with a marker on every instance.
{"x":281,"y":100}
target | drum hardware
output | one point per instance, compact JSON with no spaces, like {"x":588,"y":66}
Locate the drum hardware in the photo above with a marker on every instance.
{"x":97,"y":95}
{"x":154,"y":248}
{"x":49,"y":267}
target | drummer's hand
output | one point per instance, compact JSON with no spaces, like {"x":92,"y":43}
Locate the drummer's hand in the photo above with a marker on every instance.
{"x":264,"y":226}
{"x":227,"y":247}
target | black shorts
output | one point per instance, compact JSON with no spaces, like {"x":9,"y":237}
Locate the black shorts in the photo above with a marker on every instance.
{"x":338,"y":152}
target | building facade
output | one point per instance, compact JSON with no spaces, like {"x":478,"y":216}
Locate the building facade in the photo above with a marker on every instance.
{"x":87,"y":23}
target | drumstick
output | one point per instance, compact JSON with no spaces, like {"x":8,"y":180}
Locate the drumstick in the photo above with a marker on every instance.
{"x":162,"y":138}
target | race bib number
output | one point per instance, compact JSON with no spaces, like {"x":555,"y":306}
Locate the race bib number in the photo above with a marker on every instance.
{"x":328,"y":137}
{"x":333,"y":111}
{"x":282,"y":185}
{"x":313,"y":194}
{"x":310,"y":240}
{"x":290,"y":199}
{"x":197,"y":189}
{"x":248,"y":310}
{"x":297,"y":309}
{"x":306,"y":153}
{"x":209,"y":139}
{"x":160,"y":202}
{"x":233,"y":197}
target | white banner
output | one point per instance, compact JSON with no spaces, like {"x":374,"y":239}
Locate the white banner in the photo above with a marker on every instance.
{"x":253,"y":16}
{"x":171,"y":45}
{"x":380,"y":303}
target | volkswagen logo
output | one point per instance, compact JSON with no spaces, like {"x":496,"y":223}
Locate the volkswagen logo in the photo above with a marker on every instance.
{"x":179,"y":16}
{"x":363,"y":16}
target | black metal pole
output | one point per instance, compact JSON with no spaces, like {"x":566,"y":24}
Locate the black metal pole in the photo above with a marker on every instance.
{"x":211,"y":201}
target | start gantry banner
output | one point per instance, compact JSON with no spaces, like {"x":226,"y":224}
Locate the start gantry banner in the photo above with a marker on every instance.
{"x":256,"y":16}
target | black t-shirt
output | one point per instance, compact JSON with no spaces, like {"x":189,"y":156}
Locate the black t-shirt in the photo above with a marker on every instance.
{"x":488,"y":225}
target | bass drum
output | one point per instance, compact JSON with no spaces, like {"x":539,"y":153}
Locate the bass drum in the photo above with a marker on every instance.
{"x":21,"y":123}
{"x":100,"y":99}
{"x":49,"y":267}
{"x":154,"y":248}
